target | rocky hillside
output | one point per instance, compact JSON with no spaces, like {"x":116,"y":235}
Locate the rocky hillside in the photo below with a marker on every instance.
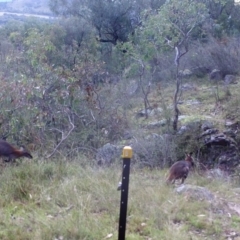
{"x":208,"y":127}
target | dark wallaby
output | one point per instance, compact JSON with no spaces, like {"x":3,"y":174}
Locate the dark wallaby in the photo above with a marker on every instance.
{"x":180,"y":169}
{"x":7,"y":150}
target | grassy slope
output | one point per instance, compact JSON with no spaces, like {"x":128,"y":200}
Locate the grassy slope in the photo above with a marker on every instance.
{"x":205,"y":100}
{"x":66,"y":201}
{"x":60,"y":200}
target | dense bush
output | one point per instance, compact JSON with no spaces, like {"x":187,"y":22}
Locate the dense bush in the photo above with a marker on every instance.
{"x":64,"y":90}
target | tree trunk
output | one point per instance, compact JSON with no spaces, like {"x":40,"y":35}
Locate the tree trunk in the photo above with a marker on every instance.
{"x":175,"y":104}
{"x":175,"y":98}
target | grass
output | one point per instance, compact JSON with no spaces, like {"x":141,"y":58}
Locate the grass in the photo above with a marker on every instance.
{"x":73,"y":200}
{"x":62,"y":200}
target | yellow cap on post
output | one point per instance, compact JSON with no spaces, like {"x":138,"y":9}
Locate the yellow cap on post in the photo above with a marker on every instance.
{"x":127,"y":152}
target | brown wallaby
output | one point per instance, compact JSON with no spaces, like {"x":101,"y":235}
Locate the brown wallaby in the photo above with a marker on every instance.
{"x":180,"y":169}
{"x":7,"y":150}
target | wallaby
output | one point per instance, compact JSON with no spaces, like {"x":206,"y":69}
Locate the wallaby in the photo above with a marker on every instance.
{"x":180,"y":169}
{"x":7,"y":150}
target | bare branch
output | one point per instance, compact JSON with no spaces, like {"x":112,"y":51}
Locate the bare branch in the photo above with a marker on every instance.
{"x":64,"y":136}
{"x":169,"y":42}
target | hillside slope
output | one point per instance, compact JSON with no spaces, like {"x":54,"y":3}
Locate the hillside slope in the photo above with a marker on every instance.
{"x":27,"y":6}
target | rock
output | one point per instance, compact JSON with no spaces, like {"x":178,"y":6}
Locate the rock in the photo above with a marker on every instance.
{"x":209,"y":131}
{"x":155,"y":112}
{"x":230,"y":133}
{"x":220,"y":140}
{"x":190,"y":127}
{"x":142,"y":113}
{"x":107,"y":154}
{"x":182,"y":130}
{"x":216,"y":149}
{"x":230,"y":79}
{"x":228,"y":161}
{"x":232,"y":125}
{"x":188,"y":86}
{"x":195,"y":192}
{"x":215,"y":75}
{"x":192,"y":102}
{"x":183,"y":117}
{"x":157,"y":124}
{"x":207,"y":125}
{"x":185,"y":73}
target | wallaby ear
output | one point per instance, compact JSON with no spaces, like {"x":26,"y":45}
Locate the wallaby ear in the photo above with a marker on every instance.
{"x":188,"y":154}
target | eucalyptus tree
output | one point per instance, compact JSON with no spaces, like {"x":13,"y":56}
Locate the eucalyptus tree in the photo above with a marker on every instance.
{"x":224,"y":16}
{"x":172,"y":29}
{"x":218,"y":7}
{"x":114,"y":20}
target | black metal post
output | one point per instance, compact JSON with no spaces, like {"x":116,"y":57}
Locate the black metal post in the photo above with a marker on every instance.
{"x":124,"y":192}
